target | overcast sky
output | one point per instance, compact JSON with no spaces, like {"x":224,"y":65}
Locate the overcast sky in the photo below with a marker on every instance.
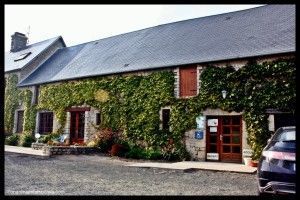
{"x":83,"y":23}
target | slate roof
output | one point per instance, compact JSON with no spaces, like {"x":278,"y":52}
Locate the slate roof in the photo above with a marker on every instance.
{"x":35,"y":49}
{"x":258,"y":31}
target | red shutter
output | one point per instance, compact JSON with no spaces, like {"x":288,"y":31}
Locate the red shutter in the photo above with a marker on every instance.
{"x":188,"y":81}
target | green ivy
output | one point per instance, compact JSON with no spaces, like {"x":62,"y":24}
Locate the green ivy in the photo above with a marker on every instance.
{"x":130,"y":104}
{"x":12,"y":97}
{"x":11,"y":101}
{"x":251,"y":89}
{"x":29,"y":111}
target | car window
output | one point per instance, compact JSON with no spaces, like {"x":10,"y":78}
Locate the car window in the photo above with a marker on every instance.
{"x":284,"y":141}
{"x":283,"y":146}
{"x":288,"y":135}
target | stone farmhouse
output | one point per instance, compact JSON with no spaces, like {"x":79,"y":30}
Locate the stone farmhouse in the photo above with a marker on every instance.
{"x":185,"y":49}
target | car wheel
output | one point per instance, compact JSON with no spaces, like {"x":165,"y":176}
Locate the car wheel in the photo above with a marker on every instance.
{"x":262,"y":194}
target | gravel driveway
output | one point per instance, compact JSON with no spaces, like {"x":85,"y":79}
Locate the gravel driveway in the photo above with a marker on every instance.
{"x":101,"y":175}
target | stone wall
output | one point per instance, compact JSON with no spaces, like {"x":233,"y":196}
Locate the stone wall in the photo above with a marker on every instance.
{"x":67,"y":150}
{"x":176,"y":82}
{"x":195,"y":147}
{"x":38,"y":146}
{"x":63,"y":150}
{"x":90,"y":121}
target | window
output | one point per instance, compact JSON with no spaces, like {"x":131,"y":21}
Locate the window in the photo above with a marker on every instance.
{"x":22,"y":56}
{"x":20,"y":119}
{"x":188,"y":81}
{"x":165,"y":119}
{"x":98,"y":118}
{"x":45,"y":122}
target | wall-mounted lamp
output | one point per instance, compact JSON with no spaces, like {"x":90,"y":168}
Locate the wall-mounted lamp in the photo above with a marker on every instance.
{"x":224,"y":93}
{"x":20,"y":102}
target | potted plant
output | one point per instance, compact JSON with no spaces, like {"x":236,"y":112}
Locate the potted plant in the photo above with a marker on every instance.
{"x":115,"y":149}
{"x":253,"y":163}
{"x":247,"y":161}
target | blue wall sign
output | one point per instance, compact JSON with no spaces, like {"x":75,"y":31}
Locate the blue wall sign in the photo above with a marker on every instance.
{"x":199,"y":135}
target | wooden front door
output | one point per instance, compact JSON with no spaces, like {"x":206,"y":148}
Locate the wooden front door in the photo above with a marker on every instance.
{"x":77,"y":126}
{"x":225,"y":138}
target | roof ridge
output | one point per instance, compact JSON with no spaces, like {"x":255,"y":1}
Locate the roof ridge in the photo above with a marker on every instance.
{"x":185,"y":20}
{"x":44,"y":40}
{"x":37,"y":43}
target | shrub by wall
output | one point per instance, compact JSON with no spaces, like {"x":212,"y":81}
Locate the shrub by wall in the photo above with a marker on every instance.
{"x":12,"y":140}
{"x":26,"y":139}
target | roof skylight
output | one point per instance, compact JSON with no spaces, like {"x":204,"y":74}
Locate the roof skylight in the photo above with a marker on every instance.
{"x":22,"y":56}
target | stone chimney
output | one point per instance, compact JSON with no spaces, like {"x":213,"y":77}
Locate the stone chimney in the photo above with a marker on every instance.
{"x":18,"y":41}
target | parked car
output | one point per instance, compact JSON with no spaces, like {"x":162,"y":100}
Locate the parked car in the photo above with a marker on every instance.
{"x":276,"y":169}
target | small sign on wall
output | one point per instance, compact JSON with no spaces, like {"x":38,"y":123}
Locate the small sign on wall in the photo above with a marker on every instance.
{"x":212,"y":122}
{"x":213,"y":129}
{"x":199,"y":135}
{"x":200,"y":120}
{"x":247,"y":152}
{"x":212,"y":156}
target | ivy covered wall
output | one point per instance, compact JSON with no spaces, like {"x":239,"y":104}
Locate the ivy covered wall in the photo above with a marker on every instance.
{"x":13,"y":97}
{"x":131,"y":104}
{"x":128,"y":104}
{"x":11,"y":101}
{"x":252,"y":89}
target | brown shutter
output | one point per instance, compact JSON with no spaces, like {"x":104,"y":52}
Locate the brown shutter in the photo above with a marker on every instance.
{"x":188,"y":81}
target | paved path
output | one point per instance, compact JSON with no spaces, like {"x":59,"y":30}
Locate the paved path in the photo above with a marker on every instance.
{"x":24,"y":150}
{"x":188,"y":165}
{"x":185,"y":165}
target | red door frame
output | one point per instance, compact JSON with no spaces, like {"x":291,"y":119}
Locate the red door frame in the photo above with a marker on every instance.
{"x":219,"y":140}
{"x":75,"y":128}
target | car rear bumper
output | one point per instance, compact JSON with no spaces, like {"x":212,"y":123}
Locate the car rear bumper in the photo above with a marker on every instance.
{"x":275,"y":187}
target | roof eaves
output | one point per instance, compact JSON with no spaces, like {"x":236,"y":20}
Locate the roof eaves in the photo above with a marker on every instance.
{"x":150,"y":68}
